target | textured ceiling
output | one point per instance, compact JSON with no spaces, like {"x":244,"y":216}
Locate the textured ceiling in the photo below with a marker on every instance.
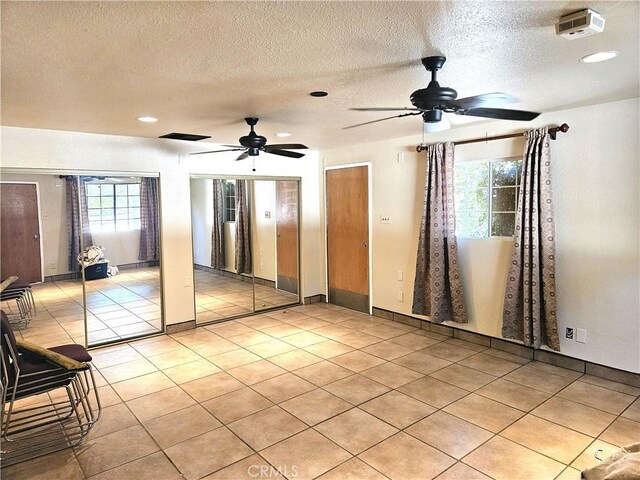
{"x":200,"y":67}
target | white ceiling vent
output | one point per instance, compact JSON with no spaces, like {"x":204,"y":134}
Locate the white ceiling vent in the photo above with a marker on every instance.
{"x":580,"y":24}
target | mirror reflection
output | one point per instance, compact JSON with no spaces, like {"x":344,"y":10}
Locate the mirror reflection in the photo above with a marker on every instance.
{"x":245,"y":244}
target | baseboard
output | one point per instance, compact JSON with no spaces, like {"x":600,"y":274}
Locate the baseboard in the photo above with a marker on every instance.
{"x":238,"y":276}
{"x":320,"y":298}
{"x":180,"y":327}
{"x":125,"y":266}
{"x":544,"y":356}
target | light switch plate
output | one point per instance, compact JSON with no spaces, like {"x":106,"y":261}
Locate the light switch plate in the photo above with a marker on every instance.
{"x":385,"y":218}
{"x":581,"y":335}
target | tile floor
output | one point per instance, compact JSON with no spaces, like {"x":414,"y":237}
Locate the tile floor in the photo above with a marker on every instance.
{"x":219,"y":297}
{"x":318,"y":391}
{"x":119,"y":307}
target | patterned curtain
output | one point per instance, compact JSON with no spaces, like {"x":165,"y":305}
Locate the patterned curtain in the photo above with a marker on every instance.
{"x":530,"y":299}
{"x":217,"y":230}
{"x":78,"y":231}
{"x":437,"y":289}
{"x":243,"y":240}
{"x":149,"y":220}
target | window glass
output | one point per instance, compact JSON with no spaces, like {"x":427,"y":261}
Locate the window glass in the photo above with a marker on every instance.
{"x":229,"y":189}
{"x":113,"y":207}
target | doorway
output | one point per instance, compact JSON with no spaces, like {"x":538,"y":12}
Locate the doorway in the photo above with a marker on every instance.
{"x":20,"y":226}
{"x":348,"y":237}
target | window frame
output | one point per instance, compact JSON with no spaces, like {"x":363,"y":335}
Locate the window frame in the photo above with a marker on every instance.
{"x":228,"y":201}
{"x":113,"y":210}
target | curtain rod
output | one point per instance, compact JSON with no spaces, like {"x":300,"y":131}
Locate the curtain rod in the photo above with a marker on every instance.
{"x":564,"y":128}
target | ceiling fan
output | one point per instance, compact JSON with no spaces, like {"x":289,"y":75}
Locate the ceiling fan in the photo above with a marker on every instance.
{"x":253,"y":144}
{"x":430,"y":102}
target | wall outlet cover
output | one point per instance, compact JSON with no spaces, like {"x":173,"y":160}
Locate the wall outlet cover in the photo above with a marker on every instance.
{"x":581,"y":335}
{"x":385,"y":218}
{"x":569,"y":333}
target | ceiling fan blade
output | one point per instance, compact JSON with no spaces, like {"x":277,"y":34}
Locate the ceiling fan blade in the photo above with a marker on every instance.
{"x":217,"y":151}
{"x":495,"y":99}
{"x":381,"y":120}
{"x":233,"y":146}
{"x":285,"y":153}
{"x":500,"y":113}
{"x":242,"y":156}
{"x":288,"y":146}
{"x":385,"y":109}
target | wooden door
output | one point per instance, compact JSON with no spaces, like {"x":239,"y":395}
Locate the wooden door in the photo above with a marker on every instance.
{"x":348,"y":237}
{"x":20,"y":237}
{"x":287,"y":235}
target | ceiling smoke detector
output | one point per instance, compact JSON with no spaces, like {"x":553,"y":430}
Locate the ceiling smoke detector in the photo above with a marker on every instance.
{"x":580,"y":24}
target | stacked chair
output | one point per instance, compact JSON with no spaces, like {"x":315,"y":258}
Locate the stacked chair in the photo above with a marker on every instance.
{"x":23,"y":295}
{"x":49,"y":397}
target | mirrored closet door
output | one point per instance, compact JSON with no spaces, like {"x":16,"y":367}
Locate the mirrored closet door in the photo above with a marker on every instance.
{"x":245,"y":244}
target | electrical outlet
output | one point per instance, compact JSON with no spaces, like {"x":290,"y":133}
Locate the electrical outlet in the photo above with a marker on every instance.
{"x":385,"y":218}
{"x":581,"y":335}
{"x":45,"y":216}
{"x":53,"y":266}
{"x":267,"y":214}
{"x":569,"y":333}
{"x":401,"y":296}
{"x":400,"y":275}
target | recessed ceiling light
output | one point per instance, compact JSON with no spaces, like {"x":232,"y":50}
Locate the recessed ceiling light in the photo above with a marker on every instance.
{"x":599,"y":57}
{"x":147,"y":119}
{"x":319,"y":93}
{"x":283,"y":134}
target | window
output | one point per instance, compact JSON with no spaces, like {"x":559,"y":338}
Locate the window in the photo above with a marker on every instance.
{"x":229,"y":201}
{"x":486,"y":196}
{"x":113,"y":206}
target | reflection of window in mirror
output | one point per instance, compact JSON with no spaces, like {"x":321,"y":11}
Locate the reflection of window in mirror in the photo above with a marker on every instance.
{"x":113,"y":206}
{"x":229,"y":200}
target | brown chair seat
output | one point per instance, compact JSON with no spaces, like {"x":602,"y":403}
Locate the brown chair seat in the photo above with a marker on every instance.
{"x":73,"y":350}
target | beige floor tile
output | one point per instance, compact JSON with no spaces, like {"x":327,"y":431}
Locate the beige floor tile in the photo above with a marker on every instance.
{"x":449,"y":434}
{"x":157,"y":348}
{"x":315,"y":406}
{"x":570,"y":473}
{"x":282,"y":330}
{"x":513,"y":394}
{"x":303,"y":339}
{"x":55,"y":466}
{"x":266,"y":427}
{"x":354,"y":469}
{"x":237,"y":404}
{"x":181,"y":425}
{"x":597,"y":397}
{"x":356,"y":389}
{"x":305,"y":456}
{"x":523,"y":463}
{"x":104,"y":359}
{"x":463,"y":377}
{"x":386,"y":332}
{"x":402,"y":457}
{"x":588,"y":458}
{"x":283,"y":387}
{"x":113,"y":419}
{"x":251,"y":468}
{"x":358,"y":340}
{"x":207,"y":453}
{"x":432,"y":391}
{"x":460,"y":471}
{"x":334,"y":332}
{"x":234,"y":358}
{"x":413,"y":341}
{"x":294,"y":360}
{"x":388,"y":350}
{"x":357,"y":361}
{"x":191,"y":371}
{"x":229,"y":329}
{"x":108,"y":396}
{"x":176,"y":357}
{"x":547,"y":438}
{"x":127,"y":370}
{"x":217,"y":346}
{"x":271,"y":348}
{"x":512,"y":357}
{"x":485,"y":413}
{"x":159,"y":403}
{"x":115,"y":449}
{"x":152,"y":467}
{"x":355,"y":430}
{"x":422,"y":362}
{"x":573,"y":415}
{"x":323,"y":372}
{"x":391,"y":374}
{"x":449,"y":351}
{"x":211,"y":386}
{"x":615,"y":386}
{"x":256,"y":372}
{"x":539,"y":379}
{"x":328,"y":349}
{"x":633,"y":412}
{"x":622,"y":432}
{"x":563,"y":372}
{"x":490,"y":364}
{"x":397,"y":409}
{"x":250,"y":338}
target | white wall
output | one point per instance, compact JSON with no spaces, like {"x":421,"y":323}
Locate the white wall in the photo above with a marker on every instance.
{"x":263,"y":230}
{"x":201,"y":219}
{"x":596,"y":190}
{"x":87,"y":153}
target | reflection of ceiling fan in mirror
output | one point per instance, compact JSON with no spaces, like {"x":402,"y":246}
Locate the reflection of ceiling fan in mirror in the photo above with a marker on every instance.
{"x":253,"y":144}
{"x":430,"y":102}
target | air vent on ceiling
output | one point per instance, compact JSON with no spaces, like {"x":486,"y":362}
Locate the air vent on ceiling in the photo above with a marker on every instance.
{"x":185,"y":136}
{"x":580,"y":24}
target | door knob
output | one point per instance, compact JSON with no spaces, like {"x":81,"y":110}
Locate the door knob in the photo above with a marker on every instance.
{"x":36,"y":236}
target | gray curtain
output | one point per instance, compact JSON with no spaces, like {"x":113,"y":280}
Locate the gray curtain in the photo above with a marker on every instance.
{"x":217,"y":230}
{"x":78,"y":231}
{"x":530,"y":299}
{"x":243,"y":239}
{"x":437,"y":289}
{"x":149,"y":220}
